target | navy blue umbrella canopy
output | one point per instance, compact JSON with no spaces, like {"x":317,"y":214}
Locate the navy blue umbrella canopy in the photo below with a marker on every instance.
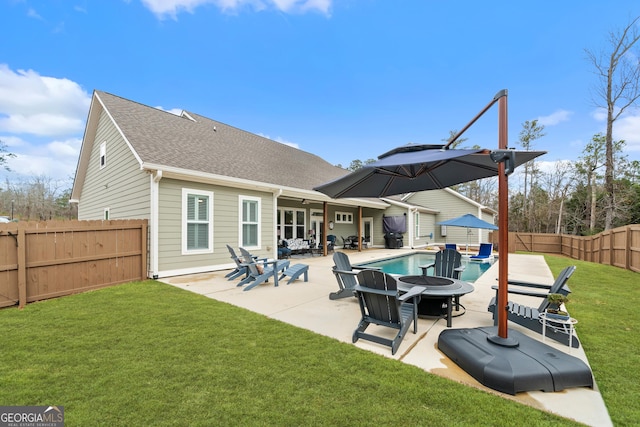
{"x":414,"y":168}
{"x":469,"y":221}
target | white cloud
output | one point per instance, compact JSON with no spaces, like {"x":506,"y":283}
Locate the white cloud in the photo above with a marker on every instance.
{"x":31,"y":13}
{"x":280,"y":140}
{"x":599,"y":114}
{"x":176,"y":111}
{"x":42,"y":124}
{"x":56,"y":160}
{"x":69,"y":148}
{"x":171,"y":8}
{"x":627,"y":128}
{"x":555,"y":118}
{"x":290,"y":144}
{"x":12,"y":141}
{"x":42,"y":120}
{"x":39,"y":105}
{"x":303,"y":5}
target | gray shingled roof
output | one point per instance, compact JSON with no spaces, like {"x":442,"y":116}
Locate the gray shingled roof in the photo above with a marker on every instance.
{"x":206,"y":145}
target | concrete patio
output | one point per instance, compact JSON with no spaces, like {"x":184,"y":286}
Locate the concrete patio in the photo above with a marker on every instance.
{"x":307,"y":305}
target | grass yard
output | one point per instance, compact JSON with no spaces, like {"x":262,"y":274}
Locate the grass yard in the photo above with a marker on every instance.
{"x":606,"y":302}
{"x":149,"y":354}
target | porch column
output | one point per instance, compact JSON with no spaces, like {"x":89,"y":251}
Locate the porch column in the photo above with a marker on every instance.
{"x":325,"y":227}
{"x":359,"y":228}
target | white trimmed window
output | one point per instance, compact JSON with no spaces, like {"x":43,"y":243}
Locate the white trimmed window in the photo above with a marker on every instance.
{"x":103,"y":155}
{"x":344,"y":218}
{"x":106,"y":214}
{"x":197,"y":221}
{"x":249,"y":222}
{"x":291,"y":223}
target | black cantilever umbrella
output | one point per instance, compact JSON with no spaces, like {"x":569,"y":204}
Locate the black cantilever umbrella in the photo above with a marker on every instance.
{"x":498,"y":361}
{"x":412,"y":168}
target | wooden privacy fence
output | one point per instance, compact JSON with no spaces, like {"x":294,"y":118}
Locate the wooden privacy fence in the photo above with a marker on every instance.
{"x":619,"y":247}
{"x":41,"y":260}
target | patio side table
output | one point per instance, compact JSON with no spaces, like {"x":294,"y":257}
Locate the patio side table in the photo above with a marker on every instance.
{"x":564,"y":325}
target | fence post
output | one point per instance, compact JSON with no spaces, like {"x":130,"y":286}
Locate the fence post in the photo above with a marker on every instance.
{"x":627,"y":249}
{"x":22,"y":266}
{"x":144,"y":237}
{"x":611,"y":251}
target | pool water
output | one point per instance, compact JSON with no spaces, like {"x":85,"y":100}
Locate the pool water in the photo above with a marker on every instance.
{"x":408,"y":265}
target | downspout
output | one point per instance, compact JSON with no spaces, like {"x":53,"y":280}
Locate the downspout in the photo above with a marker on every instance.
{"x":480,"y":230}
{"x":156,"y":176}
{"x":412,"y":226}
{"x":274,"y":238}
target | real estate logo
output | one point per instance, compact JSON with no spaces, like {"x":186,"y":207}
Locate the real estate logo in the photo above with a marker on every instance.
{"x":31,"y":416}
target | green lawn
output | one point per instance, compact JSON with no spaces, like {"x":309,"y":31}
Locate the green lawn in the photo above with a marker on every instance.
{"x":606,"y":302}
{"x":150,"y":354}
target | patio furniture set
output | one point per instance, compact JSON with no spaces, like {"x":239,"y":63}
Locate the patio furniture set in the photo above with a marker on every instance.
{"x":397,"y":302}
{"x":255,"y":271}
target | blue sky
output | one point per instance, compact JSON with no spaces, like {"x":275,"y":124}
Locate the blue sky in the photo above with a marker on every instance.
{"x":343,"y":79}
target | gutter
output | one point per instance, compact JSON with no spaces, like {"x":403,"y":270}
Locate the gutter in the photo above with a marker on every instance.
{"x":216,"y":179}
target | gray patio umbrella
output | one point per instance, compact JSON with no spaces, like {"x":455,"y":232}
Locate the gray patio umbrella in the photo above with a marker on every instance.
{"x":413,"y":167}
{"x":469,"y":221}
{"x":494,"y":359}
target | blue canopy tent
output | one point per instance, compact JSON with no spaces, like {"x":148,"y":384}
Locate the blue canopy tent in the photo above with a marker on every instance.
{"x":469,"y":221}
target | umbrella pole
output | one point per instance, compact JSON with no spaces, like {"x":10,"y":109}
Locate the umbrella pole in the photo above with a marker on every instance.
{"x":503,"y":232}
{"x":467,"y":231}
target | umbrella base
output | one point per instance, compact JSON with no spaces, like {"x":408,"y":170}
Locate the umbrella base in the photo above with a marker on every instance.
{"x":530,"y":365}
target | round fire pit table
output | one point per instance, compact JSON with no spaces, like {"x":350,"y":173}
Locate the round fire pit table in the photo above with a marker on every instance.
{"x":438,"y":291}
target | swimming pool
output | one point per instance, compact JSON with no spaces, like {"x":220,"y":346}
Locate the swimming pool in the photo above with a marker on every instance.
{"x":406,"y":265}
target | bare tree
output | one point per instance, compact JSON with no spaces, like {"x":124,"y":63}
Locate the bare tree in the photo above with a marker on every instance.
{"x":38,"y":198}
{"x":4,"y":156}
{"x":531,"y":131}
{"x":557,"y":183}
{"x":618,"y":88}
{"x":592,"y":159}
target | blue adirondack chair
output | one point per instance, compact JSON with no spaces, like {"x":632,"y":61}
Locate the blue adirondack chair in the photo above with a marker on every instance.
{"x":260,"y":272}
{"x":241,"y":268}
{"x":382,"y":304}
{"x":345,"y":275}
{"x":448,"y":263}
{"x":529,"y":317}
